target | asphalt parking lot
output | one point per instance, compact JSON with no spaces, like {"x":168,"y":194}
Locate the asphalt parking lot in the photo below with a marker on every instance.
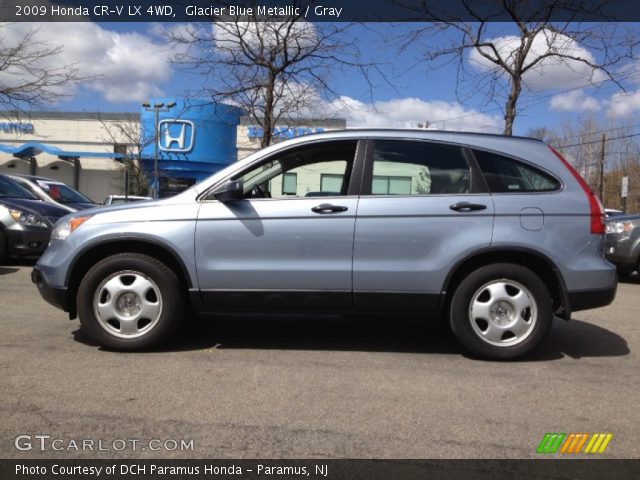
{"x":323,"y":387}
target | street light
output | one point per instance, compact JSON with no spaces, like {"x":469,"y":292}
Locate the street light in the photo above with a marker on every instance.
{"x":157,"y":108}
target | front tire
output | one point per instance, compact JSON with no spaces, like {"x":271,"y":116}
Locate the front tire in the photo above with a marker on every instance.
{"x":501,"y":311}
{"x":130,"y":301}
{"x":4,"y":249}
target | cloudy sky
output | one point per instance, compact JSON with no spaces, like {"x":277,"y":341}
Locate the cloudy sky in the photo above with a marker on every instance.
{"x":131,"y":63}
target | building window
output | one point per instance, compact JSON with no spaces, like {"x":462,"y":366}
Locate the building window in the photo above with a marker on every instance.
{"x":388,"y":185}
{"x":331,"y":182}
{"x":289,"y":183}
{"x":120,"y":148}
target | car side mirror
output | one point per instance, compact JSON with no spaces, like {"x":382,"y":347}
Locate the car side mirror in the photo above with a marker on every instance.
{"x":230,"y":191}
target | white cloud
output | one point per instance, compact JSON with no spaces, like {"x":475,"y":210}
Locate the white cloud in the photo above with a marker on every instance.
{"x":551,"y":73}
{"x":126,"y":66}
{"x":624,"y":104}
{"x":575,"y":101}
{"x":396,"y":113}
{"x":408,"y":112}
{"x":618,"y":105}
{"x":133,"y":67}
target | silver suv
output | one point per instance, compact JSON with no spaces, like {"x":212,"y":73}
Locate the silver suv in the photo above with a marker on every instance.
{"x":495,"y":234}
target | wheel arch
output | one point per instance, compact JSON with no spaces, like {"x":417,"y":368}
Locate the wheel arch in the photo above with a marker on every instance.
{"x":537,"y":262}
{"x":101,"y":250}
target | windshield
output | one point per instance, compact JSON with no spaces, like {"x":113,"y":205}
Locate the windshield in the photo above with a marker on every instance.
{"x":62,"y":193}
{"x":10,"y":189}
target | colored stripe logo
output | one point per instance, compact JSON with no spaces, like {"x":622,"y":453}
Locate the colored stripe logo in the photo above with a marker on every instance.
{"x":574,"y":443}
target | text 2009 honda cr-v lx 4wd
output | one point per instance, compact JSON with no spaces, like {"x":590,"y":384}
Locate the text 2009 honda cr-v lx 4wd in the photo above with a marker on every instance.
{"x":496,"y":234}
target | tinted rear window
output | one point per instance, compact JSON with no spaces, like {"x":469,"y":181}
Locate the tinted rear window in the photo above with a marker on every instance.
{"x":506,"y":175}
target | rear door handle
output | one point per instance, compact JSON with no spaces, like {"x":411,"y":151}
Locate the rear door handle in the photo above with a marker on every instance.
{"x":467,"y":207}
{"x":329,"y":208}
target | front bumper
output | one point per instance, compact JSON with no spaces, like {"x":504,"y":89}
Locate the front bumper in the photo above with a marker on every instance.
{"x":58,"y":297}
{"x":27,"y":242}
{"x":622,"y":251}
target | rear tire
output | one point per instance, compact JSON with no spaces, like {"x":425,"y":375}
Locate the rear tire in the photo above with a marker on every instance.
{"x":130,"y":301}
{"x":501,"y":311}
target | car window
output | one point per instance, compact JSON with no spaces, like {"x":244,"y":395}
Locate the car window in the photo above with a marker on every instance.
{"x":11,"y":189}
{"x":403,"y":167}
{"x":315,"y":171}
{"x":26,"y":185}
{"x":506,"y":175}
{"x":62,"y":193}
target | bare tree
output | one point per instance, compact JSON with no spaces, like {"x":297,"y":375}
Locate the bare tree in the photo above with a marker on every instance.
{"x":272,"y":67}
{"x":541,"y":133}
{"x":29,"y":73}
{"x":126,"y":136}
{"x":499,"y":66}
{"x":581,"y":142}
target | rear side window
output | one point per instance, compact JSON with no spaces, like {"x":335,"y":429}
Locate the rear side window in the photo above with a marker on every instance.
{"x":506,"y":175}
{"x":402,"y":167}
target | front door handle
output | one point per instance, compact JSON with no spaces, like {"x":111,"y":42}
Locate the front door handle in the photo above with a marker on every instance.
{"x":329,"y":208}
{"x":467,"y":207}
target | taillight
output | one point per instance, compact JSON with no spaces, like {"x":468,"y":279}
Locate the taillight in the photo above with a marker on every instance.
{"x":595,"y":205}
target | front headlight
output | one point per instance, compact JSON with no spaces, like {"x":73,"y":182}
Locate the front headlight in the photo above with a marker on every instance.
{"x":64,"y":229}
{"x":619,"y":227}
{"x":27,"y":219}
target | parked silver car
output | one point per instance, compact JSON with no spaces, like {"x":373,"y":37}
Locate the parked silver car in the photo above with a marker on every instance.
{"x":54,"y":191}
{"x":495,"y":234}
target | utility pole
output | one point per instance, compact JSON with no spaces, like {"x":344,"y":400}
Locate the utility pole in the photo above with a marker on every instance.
{"x":156,"y":141}
{"x":604,"y":138}
{"x":156,"y":108}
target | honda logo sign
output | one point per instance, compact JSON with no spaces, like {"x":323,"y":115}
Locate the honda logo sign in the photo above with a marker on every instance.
{"x":176,"y":135}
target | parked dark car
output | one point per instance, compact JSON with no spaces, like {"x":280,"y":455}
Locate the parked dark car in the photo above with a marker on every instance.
{"x":54,"y":191}
{"x":25,"y":221}
{"x":612,"y":212}
{"x":623,"y":243}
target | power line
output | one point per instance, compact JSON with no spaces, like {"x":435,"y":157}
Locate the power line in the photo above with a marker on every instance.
{"x":593,"y":132}
{"x":599,"y":140}
{"x":621,"y":152}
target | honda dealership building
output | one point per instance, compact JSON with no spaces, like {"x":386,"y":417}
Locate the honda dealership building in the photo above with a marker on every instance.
{"x":89,"y":151}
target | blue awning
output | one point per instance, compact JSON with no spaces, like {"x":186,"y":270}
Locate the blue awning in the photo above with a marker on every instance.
{"x":31,"y":149}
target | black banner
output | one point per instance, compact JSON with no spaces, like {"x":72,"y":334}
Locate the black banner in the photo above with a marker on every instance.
{"x":318,"y":469}
{"x":318,"y":11}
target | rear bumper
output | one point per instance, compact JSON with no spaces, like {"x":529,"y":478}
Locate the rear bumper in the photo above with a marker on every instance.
{"x":587,"y":299}
{"x":627,"y":261}
{"x":58,"y":297}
